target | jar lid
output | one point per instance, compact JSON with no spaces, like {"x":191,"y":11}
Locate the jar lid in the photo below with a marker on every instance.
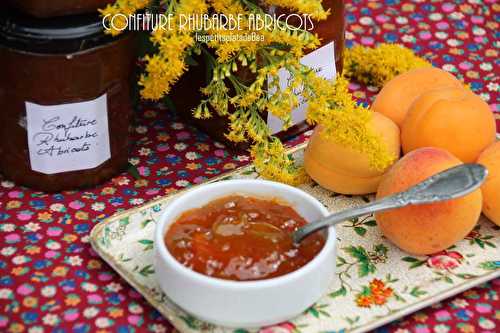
{"x":67,"y":34}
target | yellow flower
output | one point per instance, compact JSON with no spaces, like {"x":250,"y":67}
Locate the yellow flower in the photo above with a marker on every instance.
{"x":141,"y":183}
{"x":376,"y":66}
{"x":115,"y":312}
{"x":16,"y":328}
{"x":94,"y":264}
{"x":33,"y":250}
{"x":81,"y":215}
{"x":60,"y":271}
{"x":72,"y":300}
{"x":69,"y":238}
{"x":229,"y":166}
{"x":244,"y":84}
{"x":192,"y":166}
{"x":44,"y":216}
{"x":346,"y":123}
{"x":272,"y":161}
{"x":163,"y":137}
{"x":18,"y":271}
{"x":30,"y":302}
{"x":421,"y":317}
{"x":108,"y":190}
{"x":13,"y":204}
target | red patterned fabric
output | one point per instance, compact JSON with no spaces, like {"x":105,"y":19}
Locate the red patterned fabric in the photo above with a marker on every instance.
{"x":52,"y":281}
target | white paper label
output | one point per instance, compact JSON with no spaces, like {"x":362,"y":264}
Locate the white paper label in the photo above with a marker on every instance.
{"x":68,"y":137}
{"x":322,"y":61}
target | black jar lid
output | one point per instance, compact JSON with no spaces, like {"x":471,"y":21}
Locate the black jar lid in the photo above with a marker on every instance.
{"x":60,"y":35}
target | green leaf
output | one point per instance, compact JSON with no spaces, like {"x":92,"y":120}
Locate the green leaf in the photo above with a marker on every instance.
{"x":490,"y":265}
{"x":191,"y":62}
{"x":447,"y":279}
{"x":122,"y":258}
{"x":353,"y":320}
{"x":381,"y":249}
{"x":341,"y":261}
{"x":317,"y":310}
{"x":479,"y":242}
{"x":124,"y":221}
{"x":370,"y":223}
{"x":360,"y":231}
{"x":414,"y":262}
{"x":241,"y":330}
{"x":410,"y":259}
{"x":390,"y":279}
{"x":365,"y":265}
{"x":190,"y":321}
{"x":148,"y":244}
{"x":357,"y":252}
{"x":399,"y":298}
{"x":466,"y":276}
{"x":313,"y":311}
{"x":132,"y":170}
{"x":147,"y":270}
{"x":342,"y":291}
{"x":365,"y":268}
{"x":417,"y":292}
{"x":417,"y":264}
{"x":324,"y":313}
{"x":145,"y":223}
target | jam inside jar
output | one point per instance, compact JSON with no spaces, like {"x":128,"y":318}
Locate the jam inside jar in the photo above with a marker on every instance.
{"x":65,"y":95}
{"x":241,"y":238}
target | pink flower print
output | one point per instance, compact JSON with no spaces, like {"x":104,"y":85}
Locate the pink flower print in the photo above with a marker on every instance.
{"x":183,"y":135}
{"x":445,"y":260}
{"x":285,"y":327}
{"x":442,"y":315}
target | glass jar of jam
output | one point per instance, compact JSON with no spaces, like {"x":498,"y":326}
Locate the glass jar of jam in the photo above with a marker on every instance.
{"x":186,"y":95}
{"x":53,"y":8}
{"x":65,"y":95}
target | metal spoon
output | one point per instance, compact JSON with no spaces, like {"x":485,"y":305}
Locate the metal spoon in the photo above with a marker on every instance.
{"x":449,"y":184}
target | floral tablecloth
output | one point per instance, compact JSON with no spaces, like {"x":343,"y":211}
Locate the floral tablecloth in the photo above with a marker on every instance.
{"x":52,"y":281}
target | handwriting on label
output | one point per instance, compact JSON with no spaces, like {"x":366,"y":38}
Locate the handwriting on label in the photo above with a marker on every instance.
{"x":54,"y":134}
{"x":68,"y":137}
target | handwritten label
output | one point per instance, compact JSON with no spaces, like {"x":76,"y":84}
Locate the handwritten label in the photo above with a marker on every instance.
{"x":68,"y":137}
{"x":323,"y":63}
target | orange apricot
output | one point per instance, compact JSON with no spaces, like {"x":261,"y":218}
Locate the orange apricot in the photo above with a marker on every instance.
{"x":490,"y":158}
{"x":398,"y":94}
{"x":429,"y":228}
{"x":454,"y":119}
{"x":344,"y":170}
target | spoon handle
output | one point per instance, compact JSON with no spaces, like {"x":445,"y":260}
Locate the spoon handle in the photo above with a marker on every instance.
{"x":333,"y":219}
{"x":449,"y":184}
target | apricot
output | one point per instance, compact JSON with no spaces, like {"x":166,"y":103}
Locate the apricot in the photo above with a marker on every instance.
{"x":429,"y":228}
{"x":398,"y":94}
{"x":454,"y":119}
{"x":490,"y":158}
{"x":344,"y":170}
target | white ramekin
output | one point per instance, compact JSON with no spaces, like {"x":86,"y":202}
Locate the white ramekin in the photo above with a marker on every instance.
{"x":248,"y":303}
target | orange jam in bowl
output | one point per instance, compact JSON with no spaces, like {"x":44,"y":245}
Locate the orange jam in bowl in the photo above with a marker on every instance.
{"x":223,"y":252}
{"x":241,"y":238}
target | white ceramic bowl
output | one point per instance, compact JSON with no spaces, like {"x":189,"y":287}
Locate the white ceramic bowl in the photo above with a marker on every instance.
{"x":244,"y":303}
